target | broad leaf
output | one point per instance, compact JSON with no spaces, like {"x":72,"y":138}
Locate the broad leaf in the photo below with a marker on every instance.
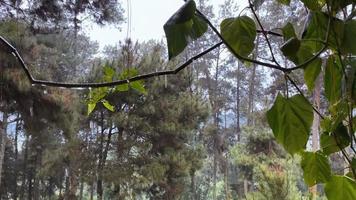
{"x":316,"y":168}
{"x":240,"y":33}
{"x":288,"y":32}
{"x":183,"y":27}
{"x":340,"y":188}
{"x":353,"y":164}
{"x":108,"y":106}
{"x":311,"y":73}
{"x":285,"y":2}
{"x":139,"y":87}
{"x":290,"y":47}
{"x":317,"y":30}
{"x":91,"y":107}
{"x":332,"y":80}
{"x":335,"y":141}
{"x":349,"y":40}
{"x":315,"y":5}
{"x":290,"y":120}
{"x":136,"y":85}
{"x":109,"y":73}
{"x":122,"y":88}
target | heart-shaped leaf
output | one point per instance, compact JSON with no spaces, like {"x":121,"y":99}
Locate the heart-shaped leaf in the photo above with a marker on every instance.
{"x":182,"y":28}
{"x":290,"y":120}
{"x":240,"y":33}
{"x":316,"y":168}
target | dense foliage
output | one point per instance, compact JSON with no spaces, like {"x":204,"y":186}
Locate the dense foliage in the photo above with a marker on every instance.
{"x":266,"y":112}
{"x":328,"y":35}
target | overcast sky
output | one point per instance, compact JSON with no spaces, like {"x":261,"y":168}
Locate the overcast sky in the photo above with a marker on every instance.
{"x":148,"y":18}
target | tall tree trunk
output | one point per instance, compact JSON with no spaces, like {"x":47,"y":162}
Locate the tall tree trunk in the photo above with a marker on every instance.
{"x":92,"y":191}
{"x":315,"y":128}
{"x":251,"y":90}
{"x":192,"y":185}
{"x":36,"y":179}
{"x":24,"y":169}
{"x":3,"y":128}
{"x":81,"y":190}
{"x":17,"y":127}
{"x":226,"y":178}
{"x":238,"y":80}
{"x":99,"y":184}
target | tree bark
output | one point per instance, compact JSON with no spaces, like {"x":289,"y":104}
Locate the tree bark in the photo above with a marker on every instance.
{"x":251,"y":90}
{"x":24,"y":169}
{"x":3,"y":128}
{"x":99,"y":181}
{"x":315,"y":129}
{"x":17,"y":127}
{"x":238,"y":81}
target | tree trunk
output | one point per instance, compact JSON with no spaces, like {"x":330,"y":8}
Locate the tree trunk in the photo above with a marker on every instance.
{"x":238,"y":78}
{"x":17,"y":127}
{"x":315,"y":129}
{"x":3,"y":128}
{"x":192,"y":185}
{"x":81,"y":190}
{"x":92,"y":191}
{"x":214,"y":174}
{"x":24,"y":169}
{"x":99,"y":181}
{"x":226,"y":178}
{"x":251,"y":90}
{"x":251,"y":93}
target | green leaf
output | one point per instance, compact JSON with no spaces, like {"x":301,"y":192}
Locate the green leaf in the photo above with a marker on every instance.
{"x":340,"y":188}
{"x":353,"y":163}
{"x":288,"y":32}
{"x":91,"y":107}
{"x":240,"y":33}
{"x":128,"y":73}
{"x":316,"y":168}
{"x":139,"y":87}
{"x":136,"y":85}
{"x":332,"y":142}
{"x":339,"y":4}
{"x":290,"y":120}
{"x":315,"y":5}
{"x":348,"y":44}
{"x":122,"y":88}
{"x":311,"y":73}
{"x":108,"y":106}
{"x":332,"y":80}
{"x":285,"y":2}
{"x":182,"y":28}
{"x":109,"y":73}
{"x":317,"y":30}
{"x":290,"y":47}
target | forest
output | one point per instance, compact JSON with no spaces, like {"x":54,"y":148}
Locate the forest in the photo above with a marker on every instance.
{"x":250,"y":101}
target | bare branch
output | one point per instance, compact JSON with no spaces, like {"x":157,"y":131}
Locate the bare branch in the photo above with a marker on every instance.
{"x":13,"y":50}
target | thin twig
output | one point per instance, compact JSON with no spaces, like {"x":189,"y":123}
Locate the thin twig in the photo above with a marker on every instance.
{"x":273,"y":66}
{"x":263,"y":32}
{"x":325,"y":46}
{"x":301,"y":92}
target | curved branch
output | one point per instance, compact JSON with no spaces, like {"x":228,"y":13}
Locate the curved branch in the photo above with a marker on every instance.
{"x":273,"y":66}
{"x":32,"y":80}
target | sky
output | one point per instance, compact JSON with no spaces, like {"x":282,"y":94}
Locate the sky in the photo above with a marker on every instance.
{"x":147,"y":20}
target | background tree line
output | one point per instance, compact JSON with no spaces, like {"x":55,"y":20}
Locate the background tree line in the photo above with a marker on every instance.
{"x":201,"y":134}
